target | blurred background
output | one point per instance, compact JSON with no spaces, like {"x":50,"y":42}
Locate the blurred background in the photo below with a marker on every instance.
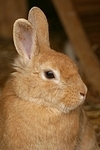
{"x":74,"y":27}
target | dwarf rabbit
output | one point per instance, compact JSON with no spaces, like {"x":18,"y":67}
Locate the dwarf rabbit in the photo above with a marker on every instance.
{"x":41,"y":104}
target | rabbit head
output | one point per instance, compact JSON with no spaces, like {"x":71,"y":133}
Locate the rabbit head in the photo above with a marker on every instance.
{"x":44,"y":76}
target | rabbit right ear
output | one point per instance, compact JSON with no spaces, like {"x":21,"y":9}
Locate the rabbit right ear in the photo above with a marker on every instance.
{"x":39,"y":21}
{"x":24,"y":38}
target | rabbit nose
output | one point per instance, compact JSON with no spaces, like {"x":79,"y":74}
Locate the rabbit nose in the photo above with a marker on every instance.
{"x":82,"y":96}
{"x":83,"y":92}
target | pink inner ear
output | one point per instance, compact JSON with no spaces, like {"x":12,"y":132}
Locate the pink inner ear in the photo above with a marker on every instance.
{"x":27,"y":42}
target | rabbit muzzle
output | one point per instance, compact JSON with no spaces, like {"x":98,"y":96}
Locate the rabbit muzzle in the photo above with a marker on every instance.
{"x":83,"y":92}
{"x":74,"y":94}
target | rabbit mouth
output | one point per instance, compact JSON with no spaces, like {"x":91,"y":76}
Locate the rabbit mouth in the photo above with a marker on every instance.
{"x":65,"y":108}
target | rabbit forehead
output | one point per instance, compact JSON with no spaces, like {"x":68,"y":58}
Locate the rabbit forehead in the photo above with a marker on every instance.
{"x":59,"y":62}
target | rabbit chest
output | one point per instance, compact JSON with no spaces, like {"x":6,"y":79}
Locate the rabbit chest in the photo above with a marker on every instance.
{"x":38,"y":128}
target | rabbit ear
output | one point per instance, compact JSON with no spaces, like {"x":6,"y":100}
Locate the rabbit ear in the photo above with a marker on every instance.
{"x":38,"y":19}
{"x":24,"y":38}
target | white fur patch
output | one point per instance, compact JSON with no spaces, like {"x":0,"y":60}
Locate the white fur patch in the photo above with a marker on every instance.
{"x":56,"y":74}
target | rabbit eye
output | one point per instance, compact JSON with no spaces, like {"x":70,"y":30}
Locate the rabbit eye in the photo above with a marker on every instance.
{"x":49,"y":75}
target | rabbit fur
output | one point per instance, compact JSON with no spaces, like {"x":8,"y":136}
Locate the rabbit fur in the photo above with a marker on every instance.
{"x":41,"y":104}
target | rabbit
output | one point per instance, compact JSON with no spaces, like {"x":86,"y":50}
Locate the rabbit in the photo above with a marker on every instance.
{"x":41,"y":106}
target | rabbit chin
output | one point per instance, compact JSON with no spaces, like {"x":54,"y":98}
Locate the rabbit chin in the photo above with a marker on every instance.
{"x":66,"y":109}
{"x":60,"y":107}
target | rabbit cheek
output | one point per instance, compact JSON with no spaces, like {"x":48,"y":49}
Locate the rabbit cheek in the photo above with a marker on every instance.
{"x":70,"y":100}
{"x":74,"y":94}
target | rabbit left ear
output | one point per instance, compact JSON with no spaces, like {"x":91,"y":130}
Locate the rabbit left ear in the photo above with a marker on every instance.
{"x":39,"y":21}
{"x":24,"y":38}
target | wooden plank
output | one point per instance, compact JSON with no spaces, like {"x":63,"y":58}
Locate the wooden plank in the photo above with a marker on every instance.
{"x":93,"y":25}
{"x":88,"y":8}
{"x":80,"y":42}
{"x":86,"y":1}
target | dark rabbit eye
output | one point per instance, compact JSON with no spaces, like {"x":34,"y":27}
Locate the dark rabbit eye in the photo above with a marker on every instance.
{"x":49,"y":75}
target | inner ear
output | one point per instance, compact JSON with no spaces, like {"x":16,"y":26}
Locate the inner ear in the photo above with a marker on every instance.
{"x":24,"y":38}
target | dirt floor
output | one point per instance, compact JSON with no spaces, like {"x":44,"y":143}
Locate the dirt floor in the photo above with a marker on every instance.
{"x":7,"y":55}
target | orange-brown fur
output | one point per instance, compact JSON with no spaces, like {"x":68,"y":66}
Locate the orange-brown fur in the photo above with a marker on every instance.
{"x":37,"y":113}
